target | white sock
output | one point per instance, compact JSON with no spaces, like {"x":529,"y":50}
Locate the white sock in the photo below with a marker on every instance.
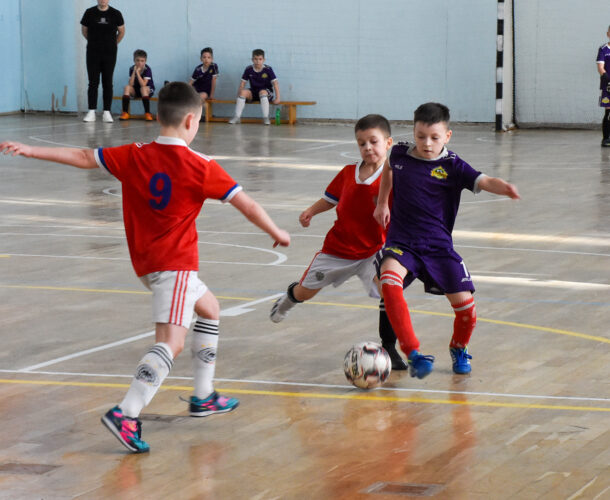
{"x":203,"y":348}
{"x":150,"y":374}
{"x":240,"y":104}
{"x":265,"y":106}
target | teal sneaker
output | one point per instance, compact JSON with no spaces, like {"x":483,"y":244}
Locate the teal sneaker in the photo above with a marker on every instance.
{"x":214,"y":403}
{"x":420,"y":365}
{"x":127,"y":430}
{"x":461,"y":360}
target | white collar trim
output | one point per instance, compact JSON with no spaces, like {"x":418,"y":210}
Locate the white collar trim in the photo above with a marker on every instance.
{"x":170,"y":141}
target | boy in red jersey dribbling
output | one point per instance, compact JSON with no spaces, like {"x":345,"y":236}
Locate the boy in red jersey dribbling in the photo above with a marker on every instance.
{"x":351,"y":244}
{"x":164,"y":185}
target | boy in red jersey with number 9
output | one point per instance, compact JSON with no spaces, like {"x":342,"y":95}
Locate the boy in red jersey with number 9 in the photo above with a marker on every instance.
{"x":350,"y":246}
{"x":164,"y":186}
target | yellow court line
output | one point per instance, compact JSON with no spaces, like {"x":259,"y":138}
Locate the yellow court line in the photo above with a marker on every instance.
{"x":337,"y":304}
{"x":318,"y":395}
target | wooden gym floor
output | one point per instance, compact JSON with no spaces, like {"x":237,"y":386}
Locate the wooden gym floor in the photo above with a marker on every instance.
{"x":530,"y":422}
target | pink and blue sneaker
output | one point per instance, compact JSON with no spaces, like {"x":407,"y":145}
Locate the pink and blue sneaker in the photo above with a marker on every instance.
{"x":127,"y":430}
{"x":214,"y":403}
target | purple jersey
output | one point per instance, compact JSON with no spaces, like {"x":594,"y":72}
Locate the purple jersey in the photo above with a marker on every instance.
{"x":202,"y":79}
{"x":261,"y":80}
{"x":603,"y":56}
{"x":426,"y":196}
{"x":147,"y":73}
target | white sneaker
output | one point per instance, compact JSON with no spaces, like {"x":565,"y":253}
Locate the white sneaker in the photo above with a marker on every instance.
{"x":266,"y":121}
{"x":107,"y":117}
{"x":90,"y":116}
{"x":234,"y":120}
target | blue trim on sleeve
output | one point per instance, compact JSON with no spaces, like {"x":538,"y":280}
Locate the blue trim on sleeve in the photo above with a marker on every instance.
{"x":231,"y":192}
{"x":331,"y":198}
{"x":101,"y":157}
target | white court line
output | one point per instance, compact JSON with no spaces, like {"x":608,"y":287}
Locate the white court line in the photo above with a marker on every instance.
{"x":233,"y":312}
{"x":327,"y":386}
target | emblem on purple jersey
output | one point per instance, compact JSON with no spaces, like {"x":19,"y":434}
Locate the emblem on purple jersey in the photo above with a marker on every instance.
{"x":439,"y":173}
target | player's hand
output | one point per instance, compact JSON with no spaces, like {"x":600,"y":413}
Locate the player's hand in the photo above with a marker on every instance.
{"x":15,"y":148}
{"x":511,"y":192}
{"x":282,"y":239}
{"x":382,"y":215}
{"x":275,"y":101}
{"x":305,"y":218}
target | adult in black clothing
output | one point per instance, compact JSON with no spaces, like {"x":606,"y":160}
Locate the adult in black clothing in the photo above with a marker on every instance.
{"x":104,"y":28}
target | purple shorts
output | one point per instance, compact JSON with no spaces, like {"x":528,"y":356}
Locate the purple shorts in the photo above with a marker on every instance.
{"x":441,"y":270}
{"x":203,"y":87}
{"x":256,"y":94}
{"x":138,"y":92}
{"x":604,"y":98}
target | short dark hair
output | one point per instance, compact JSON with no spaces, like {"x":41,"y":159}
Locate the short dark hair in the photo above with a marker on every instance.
{"x":431,"y":113}
{"x":207,"y":49}
{"x":176,"y":100}
{"x":258,"y":52}
{"x":374,"y":121}
{"x":140,"y":53}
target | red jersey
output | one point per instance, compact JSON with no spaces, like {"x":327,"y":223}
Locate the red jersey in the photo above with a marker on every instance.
{"x":164,"y":186}
{"x":355,"y":234}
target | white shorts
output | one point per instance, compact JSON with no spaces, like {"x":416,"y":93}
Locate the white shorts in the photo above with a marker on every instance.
{"x":327,"y":270}
{"x":174,"y":295}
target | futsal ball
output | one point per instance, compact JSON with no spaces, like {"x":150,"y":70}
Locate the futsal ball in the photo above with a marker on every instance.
{"x":367,"y":365}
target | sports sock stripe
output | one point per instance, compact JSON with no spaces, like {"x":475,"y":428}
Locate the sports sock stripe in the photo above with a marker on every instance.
{"x":462,"y":306}
{"x":205,"y":326}
{"x":391,"y":278}
{"x":162,"y":353}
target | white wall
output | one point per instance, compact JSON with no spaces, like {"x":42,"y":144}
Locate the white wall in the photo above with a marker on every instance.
{"x":556,"y":44}
{"x":351,"y":56}
{"x":10,"y":44}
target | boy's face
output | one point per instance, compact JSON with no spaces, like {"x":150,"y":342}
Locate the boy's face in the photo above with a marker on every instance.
{"x":430,"y":139}
{"x":206,"y":59}
{"x":139,"y":62}
{"x":373,"y":145}
{"x":258,"y":62}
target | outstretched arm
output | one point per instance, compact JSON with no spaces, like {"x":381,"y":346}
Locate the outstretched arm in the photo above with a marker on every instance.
{"x":496,"y":185}
{"x":317,"y":208}
{"x":80,"y":158}
{"x":382,"y":210}
{"x":257,"y":215}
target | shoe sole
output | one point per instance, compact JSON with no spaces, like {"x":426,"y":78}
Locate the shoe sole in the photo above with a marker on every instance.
{"x":211,"y":412}
{"x":111,"y":427}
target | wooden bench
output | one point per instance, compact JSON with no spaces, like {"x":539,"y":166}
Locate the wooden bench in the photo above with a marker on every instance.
{"x":291,"y":105}
{"x":134,"y":117}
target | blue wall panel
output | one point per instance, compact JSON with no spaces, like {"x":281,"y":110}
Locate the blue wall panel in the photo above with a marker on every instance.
{"x":10,"y":41}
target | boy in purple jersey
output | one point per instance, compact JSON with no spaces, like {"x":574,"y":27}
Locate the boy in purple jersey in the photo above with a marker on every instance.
{"x":603,"y":68}
{"x":264,"y":87}
{"x":140,"y":85}
{"x":426,"y":181}
{"x":204,"y":76}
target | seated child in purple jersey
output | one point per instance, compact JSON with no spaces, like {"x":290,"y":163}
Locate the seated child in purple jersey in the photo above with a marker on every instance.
{"x":264,"y":87}
{"x":426,"y":181}
{"x":140,"y":85}
{"x":204,"y":76}
{"x":603,"y":68}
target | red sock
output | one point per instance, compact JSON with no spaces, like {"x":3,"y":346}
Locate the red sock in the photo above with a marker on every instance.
{"x":464,"y":323}
{"x":398,"y":312}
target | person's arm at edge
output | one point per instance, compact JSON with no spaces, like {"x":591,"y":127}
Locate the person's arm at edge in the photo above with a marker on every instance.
{"x":317,"y":208}
{"x":499,"y":186}
{"x":382,"y":210}
{"x":276,"y":92}
{"x":76,"y":157}
{"x":257,"y":215}
{"x":120,"y":33}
